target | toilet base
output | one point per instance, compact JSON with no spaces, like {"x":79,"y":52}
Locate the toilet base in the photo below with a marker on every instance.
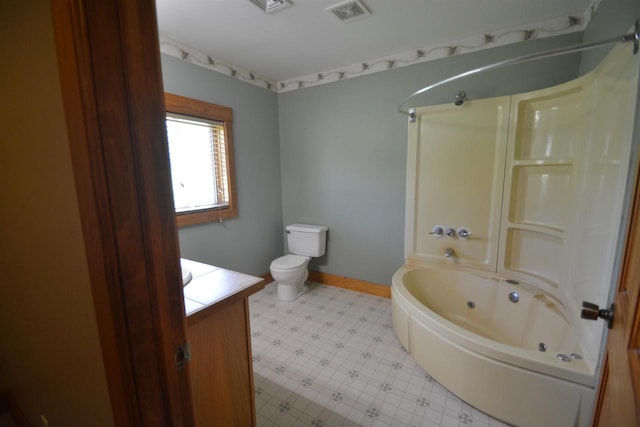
{"x":291,"y":292}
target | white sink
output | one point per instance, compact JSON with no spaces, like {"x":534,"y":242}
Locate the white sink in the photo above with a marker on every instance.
{"x":186,"y":274}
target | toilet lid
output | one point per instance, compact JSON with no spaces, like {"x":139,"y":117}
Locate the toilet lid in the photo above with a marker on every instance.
{"x":289,"y":262}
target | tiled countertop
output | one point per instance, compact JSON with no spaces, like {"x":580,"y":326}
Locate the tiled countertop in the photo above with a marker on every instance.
{"x":211,"y":285}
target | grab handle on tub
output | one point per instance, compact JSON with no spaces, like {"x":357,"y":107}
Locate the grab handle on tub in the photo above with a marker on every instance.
{"x":592,"y":311}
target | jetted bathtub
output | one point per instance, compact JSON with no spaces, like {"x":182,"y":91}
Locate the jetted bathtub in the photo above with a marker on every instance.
{"x":504,"y":347}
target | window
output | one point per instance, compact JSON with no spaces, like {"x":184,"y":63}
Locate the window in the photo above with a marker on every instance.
{"x":201,"y":154}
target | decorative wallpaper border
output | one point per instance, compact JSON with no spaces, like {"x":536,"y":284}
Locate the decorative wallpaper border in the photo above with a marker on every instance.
{"x":548,"y":28}
{"x":197,"y":57}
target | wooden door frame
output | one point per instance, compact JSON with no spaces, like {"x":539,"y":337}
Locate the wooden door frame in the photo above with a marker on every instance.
{"x":109,"y":63}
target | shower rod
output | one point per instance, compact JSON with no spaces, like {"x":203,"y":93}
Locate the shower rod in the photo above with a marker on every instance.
{"x":626,"y":38}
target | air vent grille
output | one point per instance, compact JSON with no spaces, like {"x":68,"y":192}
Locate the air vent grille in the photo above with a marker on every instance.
{"x":348,"y":11}
{"x":271,"y":6}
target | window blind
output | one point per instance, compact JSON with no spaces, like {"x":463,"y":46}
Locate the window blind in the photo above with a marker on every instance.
{"x":197,"y":152}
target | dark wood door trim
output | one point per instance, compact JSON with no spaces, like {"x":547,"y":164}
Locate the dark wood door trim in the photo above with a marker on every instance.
{"x":110,"y":71}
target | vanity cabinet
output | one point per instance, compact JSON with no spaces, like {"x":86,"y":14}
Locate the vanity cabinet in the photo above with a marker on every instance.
{"x":218,"y":332}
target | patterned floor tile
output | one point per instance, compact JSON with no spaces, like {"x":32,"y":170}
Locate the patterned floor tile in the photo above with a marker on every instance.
{"x":331,"y":358}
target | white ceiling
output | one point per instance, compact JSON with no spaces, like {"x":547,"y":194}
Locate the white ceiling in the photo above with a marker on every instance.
{"x":305,"y":39}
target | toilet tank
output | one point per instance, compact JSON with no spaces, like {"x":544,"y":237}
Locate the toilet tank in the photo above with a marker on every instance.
{"x":306,"y":239}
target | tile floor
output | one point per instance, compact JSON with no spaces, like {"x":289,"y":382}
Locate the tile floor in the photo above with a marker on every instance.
{"x":331,"y":358}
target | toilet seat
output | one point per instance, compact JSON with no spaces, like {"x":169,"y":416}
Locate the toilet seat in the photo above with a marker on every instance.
{"x":289,"y":262}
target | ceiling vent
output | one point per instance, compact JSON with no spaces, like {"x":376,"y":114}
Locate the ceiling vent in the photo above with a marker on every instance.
{"x":349,"y":10}
{"x":271,"y":6}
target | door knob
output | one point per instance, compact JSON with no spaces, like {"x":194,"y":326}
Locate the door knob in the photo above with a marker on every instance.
{"x":591,"y":311}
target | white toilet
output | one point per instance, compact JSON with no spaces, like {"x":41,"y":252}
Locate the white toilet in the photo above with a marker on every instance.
{"x":290,"y":271}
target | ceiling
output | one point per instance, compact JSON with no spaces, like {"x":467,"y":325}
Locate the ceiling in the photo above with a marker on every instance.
{"x":305,"y":38}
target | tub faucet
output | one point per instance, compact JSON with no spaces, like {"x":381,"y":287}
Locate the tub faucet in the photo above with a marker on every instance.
{"x":449,"y":253}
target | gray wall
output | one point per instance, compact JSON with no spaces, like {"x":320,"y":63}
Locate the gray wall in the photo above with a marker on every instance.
{"x":335,"y":154}
{"x":251,"y":241}
{"x":343,"y":150}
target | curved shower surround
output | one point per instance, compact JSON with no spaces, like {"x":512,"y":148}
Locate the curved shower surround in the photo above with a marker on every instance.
{"x":538,"y":179}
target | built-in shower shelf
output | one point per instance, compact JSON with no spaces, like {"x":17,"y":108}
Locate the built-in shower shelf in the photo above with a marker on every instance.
{"x":539,"y":227}
{"x":608,"y":162}
{"x":543,"y":162}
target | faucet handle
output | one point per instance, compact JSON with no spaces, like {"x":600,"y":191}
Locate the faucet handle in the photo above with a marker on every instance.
{"x":464,"y":233}
{"x":450,"y":232}
{"x":437,"y":230}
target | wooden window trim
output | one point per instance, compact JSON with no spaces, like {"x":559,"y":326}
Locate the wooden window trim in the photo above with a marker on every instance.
{"x":195,"y":108}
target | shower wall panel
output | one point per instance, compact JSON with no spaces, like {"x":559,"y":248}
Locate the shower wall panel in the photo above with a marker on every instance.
{"x":600,"y":208}
{"x":567,"y":166}
{"x":458,"y":159}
